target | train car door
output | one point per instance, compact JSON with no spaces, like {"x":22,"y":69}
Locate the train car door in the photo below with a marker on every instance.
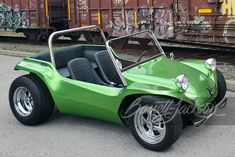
{"x":58,"y":14}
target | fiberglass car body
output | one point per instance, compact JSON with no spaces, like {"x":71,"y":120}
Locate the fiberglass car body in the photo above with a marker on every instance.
{"x":93,"y":81}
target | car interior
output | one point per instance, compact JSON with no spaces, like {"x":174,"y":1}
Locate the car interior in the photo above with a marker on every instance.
{"x":91,"y":64}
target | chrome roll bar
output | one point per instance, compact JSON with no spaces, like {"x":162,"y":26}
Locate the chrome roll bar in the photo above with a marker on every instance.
{"x":53,"y":35}
{"x":58,"y":33}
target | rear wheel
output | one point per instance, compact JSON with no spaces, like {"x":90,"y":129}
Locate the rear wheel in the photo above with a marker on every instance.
{"x":151,"y":126}
{"x":93,"y":37}
{"x":75,"y":37}
{"x":222,"y":87}
{"x":30,"y":101}
{"x":33,"y":35}
{"x":144,"y":42}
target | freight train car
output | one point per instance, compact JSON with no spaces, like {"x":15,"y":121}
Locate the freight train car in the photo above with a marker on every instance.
{"x":207,"y":21}
{"x":37,"y":19}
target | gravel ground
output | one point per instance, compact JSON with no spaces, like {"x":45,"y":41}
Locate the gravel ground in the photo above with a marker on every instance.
{"x":226,"y":68}
{"x":25,"y":46}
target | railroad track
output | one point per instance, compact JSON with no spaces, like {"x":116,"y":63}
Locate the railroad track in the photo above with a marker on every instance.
{"x":199,"y":46}
{"x":165,"y":43}
{"x":222,"y":53}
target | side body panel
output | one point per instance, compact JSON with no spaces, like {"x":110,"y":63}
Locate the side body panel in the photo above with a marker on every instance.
{"x":76,"y":97}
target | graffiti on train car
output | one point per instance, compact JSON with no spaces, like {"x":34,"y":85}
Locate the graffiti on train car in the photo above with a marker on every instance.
{"x":12,"y":18}
{"x":201,"y":24}
{"x":159,"y":20}
{"x":163,"y":22}
{"x":174,"y":22}
{"x":228,"y":8}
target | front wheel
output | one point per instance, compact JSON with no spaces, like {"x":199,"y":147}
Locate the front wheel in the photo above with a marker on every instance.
{"x":30,"y":101}
{"x":222,"y":87}
{"x":152,"y":126}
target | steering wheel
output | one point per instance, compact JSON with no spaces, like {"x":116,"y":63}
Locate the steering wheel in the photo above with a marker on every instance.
{"x":142,"y":55}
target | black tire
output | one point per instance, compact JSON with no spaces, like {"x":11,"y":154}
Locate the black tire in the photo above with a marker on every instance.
{"x":43,"y":104}
{"x":144,"y":42}
{"x":173,"y":125}
{"x":93,"y":37}
{"x":222,"y":87}
{"x":75,"y":38}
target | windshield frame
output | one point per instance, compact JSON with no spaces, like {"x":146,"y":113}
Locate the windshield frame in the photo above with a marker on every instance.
{"x":134,"y":34}
{"x":111,"y":51}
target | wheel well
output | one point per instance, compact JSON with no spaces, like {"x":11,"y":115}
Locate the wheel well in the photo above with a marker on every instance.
{"x":42,"y":83}
{"x":127,"y":101}
{"x":36,"y":34}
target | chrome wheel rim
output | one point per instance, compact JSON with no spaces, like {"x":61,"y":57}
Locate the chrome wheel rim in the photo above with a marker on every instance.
{"x":23,"y":101}
{"x":149,"y":125}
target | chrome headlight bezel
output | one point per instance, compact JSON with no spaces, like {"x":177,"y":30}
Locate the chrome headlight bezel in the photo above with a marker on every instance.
{"x":182,"y":82}
{"x":211,"y":64}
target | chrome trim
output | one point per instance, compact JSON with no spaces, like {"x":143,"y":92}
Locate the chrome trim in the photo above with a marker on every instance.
{"x":115,"y":64}
{"x":23,"y":101}
{"x":220,"y":105}
{"x":112,"y":56}
{"x":146,"y":31}
{"x":147,"y":122}
{"x":70,"y":31}
{"x":208,"y":64}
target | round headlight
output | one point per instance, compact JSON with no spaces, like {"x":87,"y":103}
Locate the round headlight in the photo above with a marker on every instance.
{"x":210,"y":64}
{"x":182,"y":82}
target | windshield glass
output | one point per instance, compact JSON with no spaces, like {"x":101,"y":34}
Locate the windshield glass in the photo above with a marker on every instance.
{"x":135,"y":48}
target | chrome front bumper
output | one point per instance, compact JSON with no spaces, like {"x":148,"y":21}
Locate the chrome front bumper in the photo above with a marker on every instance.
{"x":201,"y":121}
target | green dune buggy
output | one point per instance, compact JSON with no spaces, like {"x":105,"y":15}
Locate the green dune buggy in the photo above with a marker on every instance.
{"x":129,"y":81}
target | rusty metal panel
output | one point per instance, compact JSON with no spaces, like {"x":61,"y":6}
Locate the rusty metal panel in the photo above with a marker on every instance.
{"x":105,"y":4}
{"x":182,"y":20}
{"x":211,"y":21}
{"x":83,"y":12}
{"x":144,"y":3}
{"x":118,"y":3}
{"x":209,"y":26}
{"x":32,"y":10}
{"x":106,"y":14}
{"x":140,"y":15}
{"x":11,"y":15}
{"x":21,"y":14}
{"x":73,"y":14}
{"x":76,"y":9}
{"x":93,"y":17}
{"x":93,"y":4}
